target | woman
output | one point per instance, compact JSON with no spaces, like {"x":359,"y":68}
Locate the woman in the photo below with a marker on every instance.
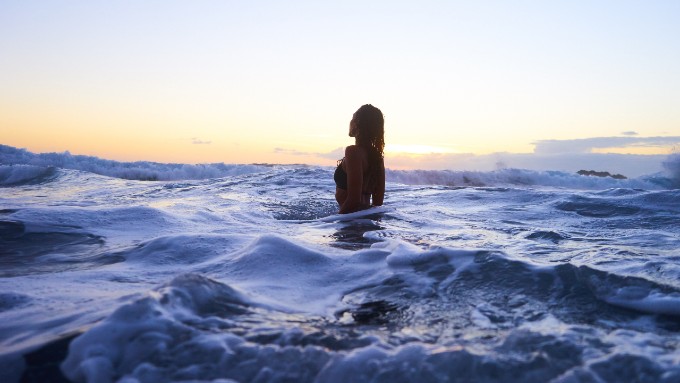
{"x":360,"y":176}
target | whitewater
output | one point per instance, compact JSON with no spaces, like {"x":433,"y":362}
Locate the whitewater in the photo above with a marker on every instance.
{"x":147,"y":272}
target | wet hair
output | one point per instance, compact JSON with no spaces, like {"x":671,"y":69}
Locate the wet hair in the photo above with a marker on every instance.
{"x":370,"y":128}
{"x":370,"y":134}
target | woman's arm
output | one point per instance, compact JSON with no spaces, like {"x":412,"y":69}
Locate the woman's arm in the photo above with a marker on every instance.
{"x":354,"y":168}
{"x":379,"y":191}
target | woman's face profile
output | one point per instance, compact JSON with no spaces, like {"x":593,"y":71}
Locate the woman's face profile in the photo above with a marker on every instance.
{"x":352,"y":127}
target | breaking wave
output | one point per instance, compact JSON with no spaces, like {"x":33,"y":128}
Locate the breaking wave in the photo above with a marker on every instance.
{"x":15,"y":175}
{"x":19,"y":165}
{"x":140,"y":170}
{"x":672,"y":166}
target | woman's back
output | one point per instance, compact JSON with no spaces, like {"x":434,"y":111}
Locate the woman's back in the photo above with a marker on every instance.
{"x":360,"y":175}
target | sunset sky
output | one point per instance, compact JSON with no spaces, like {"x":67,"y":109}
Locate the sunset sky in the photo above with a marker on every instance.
{"x":278,"y":81}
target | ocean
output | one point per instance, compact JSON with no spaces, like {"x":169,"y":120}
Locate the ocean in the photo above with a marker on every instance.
{"x":146,"y":272}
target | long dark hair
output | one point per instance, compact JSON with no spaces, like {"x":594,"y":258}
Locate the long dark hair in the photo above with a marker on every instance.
{"x":370,"y":134}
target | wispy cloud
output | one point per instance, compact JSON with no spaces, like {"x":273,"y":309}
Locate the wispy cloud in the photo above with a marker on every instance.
{"x":197,"y":141}
{"x":627,"y":164}
{"x":629,"y":133}
{"x":562,"y":155}
{"x":587,"y":145}
{"x":333,"y":154}
{"x":291,"y":152}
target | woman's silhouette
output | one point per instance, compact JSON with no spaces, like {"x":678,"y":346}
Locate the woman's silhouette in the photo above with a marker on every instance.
{"x":360,"y":175}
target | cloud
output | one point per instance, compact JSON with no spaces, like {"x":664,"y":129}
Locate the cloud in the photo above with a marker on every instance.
{"x":630,"y":165}
{"x":334,"y":154}
{"x":291,"y":151}
{"x":560,"y":155}
{"x":586,"y":145}
{"x":197,"y":141}
{"x":629,"y":133}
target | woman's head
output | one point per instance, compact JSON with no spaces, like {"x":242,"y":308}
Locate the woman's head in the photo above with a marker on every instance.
{"x":368,"y":126}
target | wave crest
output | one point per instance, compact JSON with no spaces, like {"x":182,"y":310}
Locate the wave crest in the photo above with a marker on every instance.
{"x":154,"y":171}
{"x":15,"y":175}
{"x":515,"y":177}
{"x":672,"y":166}
{"x":140,"y":170}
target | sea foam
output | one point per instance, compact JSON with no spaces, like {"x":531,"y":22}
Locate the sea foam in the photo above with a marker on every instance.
{"x":505,"y":276}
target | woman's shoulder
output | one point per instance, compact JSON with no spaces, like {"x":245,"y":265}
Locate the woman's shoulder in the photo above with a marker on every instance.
{"x":355,"y":150}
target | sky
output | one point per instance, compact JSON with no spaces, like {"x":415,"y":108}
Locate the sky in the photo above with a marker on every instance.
{"x":461,"y":83}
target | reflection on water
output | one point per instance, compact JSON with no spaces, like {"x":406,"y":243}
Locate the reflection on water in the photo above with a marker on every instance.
{"x":350,"y":235}
{"x":24,"y":253}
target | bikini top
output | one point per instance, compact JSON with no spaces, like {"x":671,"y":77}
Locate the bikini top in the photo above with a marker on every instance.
{"x":340,"y":176}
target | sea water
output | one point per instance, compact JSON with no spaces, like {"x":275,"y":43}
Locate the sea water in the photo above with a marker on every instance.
{"x":246,"y":273}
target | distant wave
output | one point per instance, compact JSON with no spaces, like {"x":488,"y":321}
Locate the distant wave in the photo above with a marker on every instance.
{"x":18,"y":166}
{"x":672,"y":166}
{"x":140,"y":170}
{"x":522,"y":177}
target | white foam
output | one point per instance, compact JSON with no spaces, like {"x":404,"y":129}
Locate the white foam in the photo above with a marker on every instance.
{"x":119,"y":224}
{"x":289,"y":276}
{"x":642,"y":299}
{"x":514,"y":178}
{"x":226,"y":230}
{"x":480,"y":319}
{"x":405,"y":254}
{"x":356,"y":214}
